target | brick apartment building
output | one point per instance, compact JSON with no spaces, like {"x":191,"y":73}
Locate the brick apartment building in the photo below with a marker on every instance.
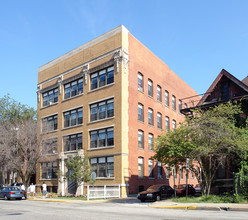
{"x":108,"y":99}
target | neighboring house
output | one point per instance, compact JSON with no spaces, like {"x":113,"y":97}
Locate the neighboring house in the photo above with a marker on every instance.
{"x":109,"y":98}
{"x":225,"y":88}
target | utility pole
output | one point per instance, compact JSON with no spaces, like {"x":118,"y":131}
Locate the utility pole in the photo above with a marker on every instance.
{"x":186,"y":175}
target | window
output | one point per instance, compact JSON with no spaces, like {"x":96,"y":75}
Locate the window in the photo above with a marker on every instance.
{"x":102,"y":138}
{"x":50,"y":97}
{"x":102,"y":110}
{"x":150,"y":116}
{"x":50,"y":123}
{"x":173,"y":125}
{"x":167,"y":123}
{"x":103,"y":166}
{"x":140,"y":82}
{"x":160,"y":171}
{"x":179,"y":105}
{"x":49,"y":146}
{"x":73,"y":88}
{"x":173,"y":102}
{"x":150,"y":141}
{"x":141,"y":139}
{"x":141,"y":167}
{"x":150,"y":168}
{"x":180,"y":172}
{"x":73,"y":142}
{"x":49,"y":170}
{"x":102,"y":78}
{"x":166,"y":98}
{"x":140,"y":112}
{"x":150,"y":88}
{"x":73,"y":117}
{"x":191,"y":174}
{"x":167,"y":174}
{"x":185,"y":105}
{"x":159,"y":98}
{"x":159,"y":120}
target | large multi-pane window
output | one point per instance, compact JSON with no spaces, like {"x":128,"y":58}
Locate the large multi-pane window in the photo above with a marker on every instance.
{"x":49,"y":170}
{"x":102,"y":166}
{"x":166,"y":98}
{"x":141,"y":139}
{"x":179,"y":105}
{"x":173,"y":125}
{"x":49,"y":146}
{"x":140,"y":82}
{"x":50,"y":123}
{"x":102,"y":78}
{"x":167,"y":123}
{"x":73,"y":88}
{"x":150,"y":116}
{"x":140,"y":112}
{"x":150,"y":168}
{"x":150,"y":88}
{"x":102,"y":138}
{"x":50,"y":97}
{"x":73,"y":142}
{"x":173,"y":102}
{"x":141,"y":167}
{"x":160,"y":170}
{"x":159,"y":120}
{"x":101,"y":110}
{"x":73,"y":117}
{"x":150,"y":141}
{"x":159,"y":96}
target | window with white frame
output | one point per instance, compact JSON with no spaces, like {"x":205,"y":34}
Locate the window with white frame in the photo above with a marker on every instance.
{"x":140,"y":139}
{"x":150,"y":116}
{"x":102,"y":166}
{"x":150,"y":141}
{"x":102,"y":78}
{"x":167,"y":171}
{"x":150,"y":88}
{"x":173,"y":102}
{"x":159,"y":120}
{"x":179,"y":105}
{"x":173,"y":125}
{"x":50,"y":123}
{"x":102,"y":138}
{"x":49,"y":146}
{"x":140,"y":82}
{"x":50,"y":97}
{"x":73,"y":88}
{"x":150,"y":168}
{"x":166,"y":98}
{"x":140,"y":167}
{"x":49,"y":170}
{"x":140,"y":112}
{"x":180,"y":172}
{"x":160,"y":170}
{"x":73,"y":117}
{"x":159,"y":96}
{"x":185,"y":105}
{"x":102,"y":110}
{"x":167,"y":123}
{"x":73,"y":142}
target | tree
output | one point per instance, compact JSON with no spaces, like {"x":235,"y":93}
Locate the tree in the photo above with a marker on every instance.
{"x":208,"y":137}
{"x":19,"y":146}
{"x":78,"y":170}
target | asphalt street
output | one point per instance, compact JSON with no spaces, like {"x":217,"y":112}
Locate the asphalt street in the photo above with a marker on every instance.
{"x":28,"y":209}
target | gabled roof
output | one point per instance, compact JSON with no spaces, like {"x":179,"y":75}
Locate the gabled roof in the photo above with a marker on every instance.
{"x":245,"y":81}
{"x":216,"y":81}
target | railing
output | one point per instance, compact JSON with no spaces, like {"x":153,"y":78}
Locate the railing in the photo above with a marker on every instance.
{"x":103,"y":192}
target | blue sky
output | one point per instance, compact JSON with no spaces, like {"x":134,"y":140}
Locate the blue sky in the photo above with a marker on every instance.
{"x":196,"y":39}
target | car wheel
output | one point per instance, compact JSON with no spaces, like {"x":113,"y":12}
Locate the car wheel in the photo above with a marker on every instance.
{"x":6,"y":198}
{"x":158,"y":198}
{"x":142,"y":200}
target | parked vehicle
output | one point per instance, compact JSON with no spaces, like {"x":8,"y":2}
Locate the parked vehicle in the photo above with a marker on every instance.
{"x":156,"y":193}
{"x":198,"y":190}
{"x":19,"y":185}
{"x":181,"y":190}
{"x":11,"y":192}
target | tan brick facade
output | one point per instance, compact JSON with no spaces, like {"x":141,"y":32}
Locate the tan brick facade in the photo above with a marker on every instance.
{"x":117,"y":48}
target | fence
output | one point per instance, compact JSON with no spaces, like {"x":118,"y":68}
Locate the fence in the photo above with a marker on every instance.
{"x":103,"y":192}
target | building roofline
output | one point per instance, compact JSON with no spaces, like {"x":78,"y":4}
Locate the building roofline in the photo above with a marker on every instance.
{"x":90,"y":43}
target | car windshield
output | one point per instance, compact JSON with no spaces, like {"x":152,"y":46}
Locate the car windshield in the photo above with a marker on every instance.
{"x":14,"y":189}
{"x":181,"y":186}
{"x":153,"y":188}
